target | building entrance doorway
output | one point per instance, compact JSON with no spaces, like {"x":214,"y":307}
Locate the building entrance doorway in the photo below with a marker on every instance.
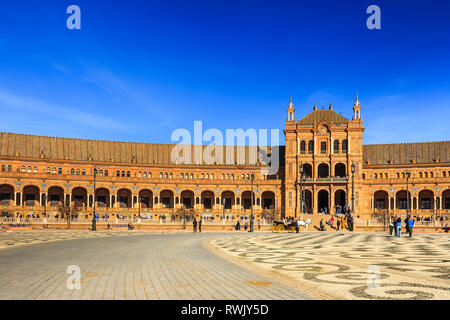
{"x":323,"y":205}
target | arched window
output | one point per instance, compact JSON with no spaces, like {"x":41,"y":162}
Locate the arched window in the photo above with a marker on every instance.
{"x":182,"y":175}
{"x":232,"y":176}
{"x":34,"y":169}
{"x":243,"y":177}
{"x":310,"y":146}
{"x":54,"y":171}
{"x":3,"y":167}
{"x":106,"y":173}
{"x":203,"y":176}
{"x":72,"y":171}
{"x":29,"y":169}
{"x":344,"y":146}
{"x":165,"y":175}
{"x":160,"y":175}
{"x":128,"y":174}
{"x":170,"y":175}
{"x":139,"y":174}
{"x":49,"y":170}
{"x":145,"y":174}
{"x":207,"y":176}
{"x":192,"y":176}
{"x":78,"y":172}
{"x":363,"y":175}
{"x":302,"y":146}
{"x":336,"y":146}
{"x":212,"y":176}
{"x":9,"y":168}
{"x":83,"y":172}
{"x":100,"y":173}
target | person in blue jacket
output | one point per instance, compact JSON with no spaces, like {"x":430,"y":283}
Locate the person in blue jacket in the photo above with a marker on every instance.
{"x":410,"y":226}
{"x":398,"y":226}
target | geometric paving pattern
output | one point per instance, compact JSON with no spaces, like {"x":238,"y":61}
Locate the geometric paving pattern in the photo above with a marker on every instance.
{"x":353,"y":266}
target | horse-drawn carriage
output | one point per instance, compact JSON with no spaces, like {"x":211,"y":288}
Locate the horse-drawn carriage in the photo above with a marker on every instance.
{"x":281,"y":226}
{"x":289,"y":225}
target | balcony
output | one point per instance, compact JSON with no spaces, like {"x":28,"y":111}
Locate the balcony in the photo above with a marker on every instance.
{"x":326,"y":180}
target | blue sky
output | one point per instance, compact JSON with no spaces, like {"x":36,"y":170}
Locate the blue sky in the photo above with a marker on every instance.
{"x":137,"y":70}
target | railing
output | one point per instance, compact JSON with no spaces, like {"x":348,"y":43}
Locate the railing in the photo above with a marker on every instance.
{"x":328,"y":179}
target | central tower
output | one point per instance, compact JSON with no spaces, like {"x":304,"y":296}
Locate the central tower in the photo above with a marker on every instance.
{"x":320,"y":151}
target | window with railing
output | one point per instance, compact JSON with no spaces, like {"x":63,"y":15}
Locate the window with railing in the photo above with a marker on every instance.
{"x":323,"y":147}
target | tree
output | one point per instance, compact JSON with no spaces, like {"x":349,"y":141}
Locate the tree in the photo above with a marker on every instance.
{"x":69,"y":212}
{"x":185,"y":215}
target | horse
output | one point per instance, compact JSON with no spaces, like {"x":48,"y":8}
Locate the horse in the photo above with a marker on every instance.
{"x":304,"y":223}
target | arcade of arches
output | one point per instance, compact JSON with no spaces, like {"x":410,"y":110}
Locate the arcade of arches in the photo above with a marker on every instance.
{"x":122,"y":201}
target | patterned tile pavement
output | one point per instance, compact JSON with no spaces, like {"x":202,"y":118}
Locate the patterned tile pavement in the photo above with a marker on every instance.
{"x":128,"y":265}
{"x":352,"y":266}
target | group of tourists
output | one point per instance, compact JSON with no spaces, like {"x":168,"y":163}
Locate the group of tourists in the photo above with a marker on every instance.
{"x":344,"y":221}
{"x":395,"y":224}
{"x":195,"y":224}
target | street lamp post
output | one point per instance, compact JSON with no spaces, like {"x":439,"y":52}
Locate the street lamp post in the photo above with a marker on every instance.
{"x":407,"y":174}
{"x":353,"y":168}
{"x":139,"y":206}
{"x":94,"y":222}
{"x":302,"y":209}
{"x":251,"y":206}
{"x":45,"y":204}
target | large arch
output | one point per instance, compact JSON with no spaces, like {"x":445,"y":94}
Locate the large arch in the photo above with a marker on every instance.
{"x":401,"y":197}
{"x":207,"y":198}
{"x":228,"y":199}
{"x":146,"y":198}
{"x":55,"y":196}
{"x":426,"y":199}
{"x":323,"y":170}
{"x":340,"y":170}
{"x":340,"y":198}
{"x":381,"y":200}
{"x":268,"y":200}
{"x":6,"y":194}
{"x":307,"y":170}
{"x":187,"y":199}
{"x":446,"y":199}
{"x":102,"y":197}
{"x":124,"y":198}
{"x":322,"y":201}
{"x":30,"y":195}
{"x":79,"y":196}
{"x":167,"y":199}
{"x":247,"y":199}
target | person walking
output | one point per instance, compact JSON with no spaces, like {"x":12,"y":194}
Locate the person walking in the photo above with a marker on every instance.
{"x":338,"y":223}
{"x":200,"y":225}
{"x":194,"y":223}
{"x":342,"y":225}
{"x":391,"y":226}
{"x":238,"y":226}
{"x":398,"y":227}
{"x":410,"y":226}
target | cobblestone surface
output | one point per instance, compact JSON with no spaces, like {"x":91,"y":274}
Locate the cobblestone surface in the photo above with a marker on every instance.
{"x":142,"y":266}
{"x":352,"y":266}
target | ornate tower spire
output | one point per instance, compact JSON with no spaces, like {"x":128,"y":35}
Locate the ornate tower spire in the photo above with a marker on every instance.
{"x":357,"y":109}
{"x":291,"y":111}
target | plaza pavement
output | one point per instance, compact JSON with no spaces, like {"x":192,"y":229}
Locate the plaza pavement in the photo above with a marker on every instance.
{"x":127,"y":265}
{"x":353,"y":266}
